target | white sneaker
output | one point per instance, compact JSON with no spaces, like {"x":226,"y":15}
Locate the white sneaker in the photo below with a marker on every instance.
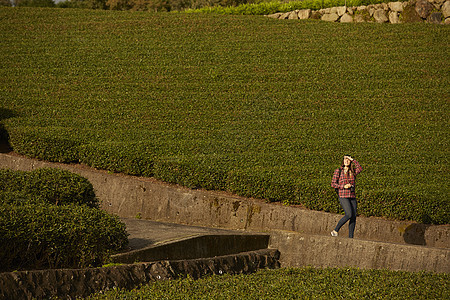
{"x":334,"y":233}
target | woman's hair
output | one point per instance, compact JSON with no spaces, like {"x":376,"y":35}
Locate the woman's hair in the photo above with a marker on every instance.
{"x":351,"y":168}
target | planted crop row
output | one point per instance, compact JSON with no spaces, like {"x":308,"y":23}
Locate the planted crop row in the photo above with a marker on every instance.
{"x":254,"y":106}
{"x":304,"y":283}
{"x":257,"y":7}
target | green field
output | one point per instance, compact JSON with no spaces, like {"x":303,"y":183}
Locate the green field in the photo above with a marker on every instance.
{"x":259,"y":107}
{"x":305,"y":283}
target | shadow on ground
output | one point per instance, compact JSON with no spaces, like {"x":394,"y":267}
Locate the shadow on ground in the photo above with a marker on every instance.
{"x":139,"y":243}
{"x":5,"y":113}
{"x":415,"y":234}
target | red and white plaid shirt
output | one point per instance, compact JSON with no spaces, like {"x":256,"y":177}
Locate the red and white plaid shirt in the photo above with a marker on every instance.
{"x":338,"y":182}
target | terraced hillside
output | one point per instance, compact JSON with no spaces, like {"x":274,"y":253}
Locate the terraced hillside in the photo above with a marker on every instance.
{"x":255,"y":106}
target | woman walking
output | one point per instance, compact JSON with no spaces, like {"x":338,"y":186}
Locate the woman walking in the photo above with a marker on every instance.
{"x":344,"y":182}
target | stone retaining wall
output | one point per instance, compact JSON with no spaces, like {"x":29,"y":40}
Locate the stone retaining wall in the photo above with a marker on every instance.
{"x":45,"y":284}
{"x":429,"y":11}
{"x":299,"y":250}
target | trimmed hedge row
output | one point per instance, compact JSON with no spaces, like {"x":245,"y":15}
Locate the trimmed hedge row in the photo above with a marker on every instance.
{"x":218,"y":6}
{"x":46,"y":144}
{"x":212,"y":172}
{"x":54,"y":186}
{"x":132,"y":159}
{"x":42,"y":235}
{"x":50,"y":218}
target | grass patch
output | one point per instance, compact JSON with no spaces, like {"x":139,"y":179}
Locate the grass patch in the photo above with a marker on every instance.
{"x":270,"y":7}
{"x":246,"y":104}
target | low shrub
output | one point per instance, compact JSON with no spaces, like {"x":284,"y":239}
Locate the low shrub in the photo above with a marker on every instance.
{"x":194,"y":173}
{"x":317,"y":195}
{"x":262,"y":184}
{"x":131,"y":159}
{"x":49,"y":218}
{"x":146,"y":5}
{"x":84,"y":4}
{"x":53,"y":186}
{"x":53,"y":145}
{"x":34,"y":3}
{"x":42,"y":235}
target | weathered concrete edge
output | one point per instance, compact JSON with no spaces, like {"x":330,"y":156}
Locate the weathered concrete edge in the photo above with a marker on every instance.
{"x":208,"y":245}
{"x":299,"y":250}
{"x":82,"y":282}
{"x":129,"y":196}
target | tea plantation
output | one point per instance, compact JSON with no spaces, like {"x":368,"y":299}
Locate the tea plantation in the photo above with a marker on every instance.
{"x":258,"y":107}
{"x":305,"y":283}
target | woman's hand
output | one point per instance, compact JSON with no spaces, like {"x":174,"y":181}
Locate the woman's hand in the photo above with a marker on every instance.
{"x":347,"y":186}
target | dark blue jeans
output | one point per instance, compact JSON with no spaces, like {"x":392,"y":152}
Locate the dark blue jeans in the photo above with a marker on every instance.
{"x":349,"y":206}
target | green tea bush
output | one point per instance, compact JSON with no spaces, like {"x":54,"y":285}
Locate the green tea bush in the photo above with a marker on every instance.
{"x":242,"y":7}
{"x":316,"y":195}
{"x":132,"y":158}
{"x":403,"y":205}
{"x":192,"y":173}
{"x":263,"y":185}
{"x":50,"y":144}
{"x":42,"y":235}
{"x":49,"y":218}
{"x":53,"y":186}
{"x":296,"y":283}
{"x":84,"y":4}
{"x":177,"y":5}
{"x":147,"y":5}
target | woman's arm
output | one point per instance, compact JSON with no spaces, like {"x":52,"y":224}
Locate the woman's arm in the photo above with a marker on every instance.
{"x":358,"y":167}
{"x":335,"y":179}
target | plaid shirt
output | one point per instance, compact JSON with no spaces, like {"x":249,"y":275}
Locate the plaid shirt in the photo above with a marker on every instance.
{"x":338,"y":182}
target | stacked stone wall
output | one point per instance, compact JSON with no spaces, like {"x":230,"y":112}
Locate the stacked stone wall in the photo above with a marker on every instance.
{"x":72,"y":283}
{"x":414,"y":11}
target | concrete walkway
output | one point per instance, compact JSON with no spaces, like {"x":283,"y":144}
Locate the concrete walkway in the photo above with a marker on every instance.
{"x":155,"y":241}
{"x":145,"y":233}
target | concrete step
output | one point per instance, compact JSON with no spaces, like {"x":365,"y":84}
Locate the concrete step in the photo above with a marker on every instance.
{"x":155,"y":241}
{"x":299,"y":250}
